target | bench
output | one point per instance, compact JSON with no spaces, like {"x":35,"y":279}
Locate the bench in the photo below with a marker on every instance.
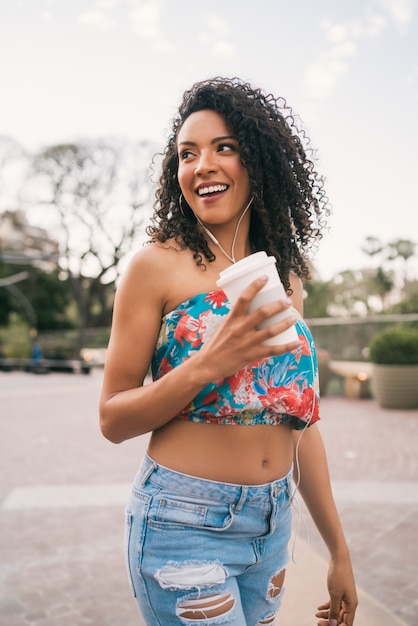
{"x":357,"y":376}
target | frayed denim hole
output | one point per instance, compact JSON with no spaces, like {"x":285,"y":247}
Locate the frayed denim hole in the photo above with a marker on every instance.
{"x":215,"y":608}
{"x":191,"y":575}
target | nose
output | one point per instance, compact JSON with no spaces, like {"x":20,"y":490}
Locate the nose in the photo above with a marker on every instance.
{"x":206,"y":163}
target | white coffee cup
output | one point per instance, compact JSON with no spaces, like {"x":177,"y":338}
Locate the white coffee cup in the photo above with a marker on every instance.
{"x":236,"y":278}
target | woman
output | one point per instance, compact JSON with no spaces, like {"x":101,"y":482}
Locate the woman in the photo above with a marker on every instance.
{"x":209,"y":520}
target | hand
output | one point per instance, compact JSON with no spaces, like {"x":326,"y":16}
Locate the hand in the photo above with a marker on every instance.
{"x":341,"y":607}
{"x":238,"y":342}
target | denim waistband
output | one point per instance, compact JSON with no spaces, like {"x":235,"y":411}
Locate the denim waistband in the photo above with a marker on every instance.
{"x":224,"y":492}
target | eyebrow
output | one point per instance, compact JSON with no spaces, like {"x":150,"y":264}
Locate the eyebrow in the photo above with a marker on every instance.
{"x":215,"y":140}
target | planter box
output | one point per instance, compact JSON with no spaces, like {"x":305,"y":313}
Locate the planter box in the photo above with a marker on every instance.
{"x":395,"y":386}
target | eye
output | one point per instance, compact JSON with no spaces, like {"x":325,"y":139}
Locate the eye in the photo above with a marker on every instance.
{"x":226,"y":147}
{"x":186,"y":154}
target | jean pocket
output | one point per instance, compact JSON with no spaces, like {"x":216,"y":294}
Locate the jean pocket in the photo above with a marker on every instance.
{"x":178,"y":512}
{"x":183,"y":513}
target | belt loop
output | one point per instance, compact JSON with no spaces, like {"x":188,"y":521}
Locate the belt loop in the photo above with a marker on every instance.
{"x":240,"y":503}
{"x":149,"y":466}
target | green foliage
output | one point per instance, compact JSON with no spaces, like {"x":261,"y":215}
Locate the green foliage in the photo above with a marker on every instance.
{"x":395,"y":345}
{"x":409,"y":304}
{"x":319,"y":295}
{"x":48,"y":295}
{"x":51,"y":298}
{"x":6,"y":306}
{"x":15,"y":342}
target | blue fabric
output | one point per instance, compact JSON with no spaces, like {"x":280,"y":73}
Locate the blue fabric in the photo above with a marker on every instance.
{"x":192,"y":544}
{"x":270,"y":391}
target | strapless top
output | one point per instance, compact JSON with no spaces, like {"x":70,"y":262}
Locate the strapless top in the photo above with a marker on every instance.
{"x":274,"y":391}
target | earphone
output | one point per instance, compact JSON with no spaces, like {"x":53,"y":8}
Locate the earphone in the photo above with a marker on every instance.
{"x":294,"y":502}
{"x":216,"y":242}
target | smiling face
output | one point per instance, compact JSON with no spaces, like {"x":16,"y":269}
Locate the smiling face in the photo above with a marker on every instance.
{"x":212,"y":178}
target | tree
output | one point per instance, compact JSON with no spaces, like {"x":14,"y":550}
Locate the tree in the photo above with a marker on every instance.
{"x":409,"y":303}
{"x":350,"y":294}
{"x":372,"y":246}
{"x":41,"y":295}
{"x":387,"y":255}
{"x":318,"y":296}
{"x":46,"y":296}
{"x":402,"y":249}
{"x":95,"y":195}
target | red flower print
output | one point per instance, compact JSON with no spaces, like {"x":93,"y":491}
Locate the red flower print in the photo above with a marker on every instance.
{"x":208,"y":418}
{"x":188,"y":329}
{"x":216,"y":299}
{"x":241,"y":381}
{"x":304,"y":349}
{"x":165,"y":366}
{"x":210,"y":398}
{"x":290,"y":400}
{"x":309,"y":405}
{"x":286,"y":399}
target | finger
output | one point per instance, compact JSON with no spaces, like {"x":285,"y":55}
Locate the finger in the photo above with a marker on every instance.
{"x":276,"y":327}
{"x":334,"y":615}
{"x":259,"y":312}
{"x":267,"y":331}
{"x":245,"y":297}
{"x":349,"y":617}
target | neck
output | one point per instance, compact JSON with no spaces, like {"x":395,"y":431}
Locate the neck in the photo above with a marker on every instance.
{"x":212,"y":237}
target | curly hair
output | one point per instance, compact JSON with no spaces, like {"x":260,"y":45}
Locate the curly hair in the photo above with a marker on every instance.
{"x":289,"y":206}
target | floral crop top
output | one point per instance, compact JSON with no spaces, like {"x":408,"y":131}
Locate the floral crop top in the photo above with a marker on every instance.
{"x":273,"y":391}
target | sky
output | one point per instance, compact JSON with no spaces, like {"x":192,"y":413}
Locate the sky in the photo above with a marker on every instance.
{"x":90,"y":68}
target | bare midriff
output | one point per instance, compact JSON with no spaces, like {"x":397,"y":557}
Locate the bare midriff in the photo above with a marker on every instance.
{"x":248,"y":455}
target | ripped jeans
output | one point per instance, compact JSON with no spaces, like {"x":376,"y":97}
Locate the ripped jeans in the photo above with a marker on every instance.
{"x":204,"y":552}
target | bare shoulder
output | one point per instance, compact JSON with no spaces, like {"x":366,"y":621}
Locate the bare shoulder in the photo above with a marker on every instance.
{"x":147,"y":276}
{"x":150,"y":260}
{"x":140,"y":301}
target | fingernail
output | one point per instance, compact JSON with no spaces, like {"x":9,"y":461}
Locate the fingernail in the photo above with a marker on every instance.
{"x":333,"y":622}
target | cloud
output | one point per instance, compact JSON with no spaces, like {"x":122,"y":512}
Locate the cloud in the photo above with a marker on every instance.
{"x":214,"y":39}
{"x":400,"y":11}
{"x":99,"y":19}
{"x":223,"y":49}
{"x":146,"y":22}
{"x":106,"y":4}
{"x":343,"y":39}
{"x":217,"y":24}
{"x":323,"y":74}
{"x":375,"y":25}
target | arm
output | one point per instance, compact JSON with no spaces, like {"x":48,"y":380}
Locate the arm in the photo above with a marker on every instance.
{"x":316,"y":492}
{"x":129,"y":408}
{"x":311,"y":471}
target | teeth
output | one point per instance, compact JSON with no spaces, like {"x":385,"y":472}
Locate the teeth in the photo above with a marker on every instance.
{"x":212,"y":189}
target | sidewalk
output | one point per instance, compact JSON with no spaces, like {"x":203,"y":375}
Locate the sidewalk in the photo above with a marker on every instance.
{"x":63,"y":489}
{"x":306,"y":588}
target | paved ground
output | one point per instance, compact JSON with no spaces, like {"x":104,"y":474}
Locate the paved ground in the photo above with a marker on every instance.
{"x":63,"y":488}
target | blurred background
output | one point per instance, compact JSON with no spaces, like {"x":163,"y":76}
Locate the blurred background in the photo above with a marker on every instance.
{"x":88,"y":92}
{"x":88,"y":89}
